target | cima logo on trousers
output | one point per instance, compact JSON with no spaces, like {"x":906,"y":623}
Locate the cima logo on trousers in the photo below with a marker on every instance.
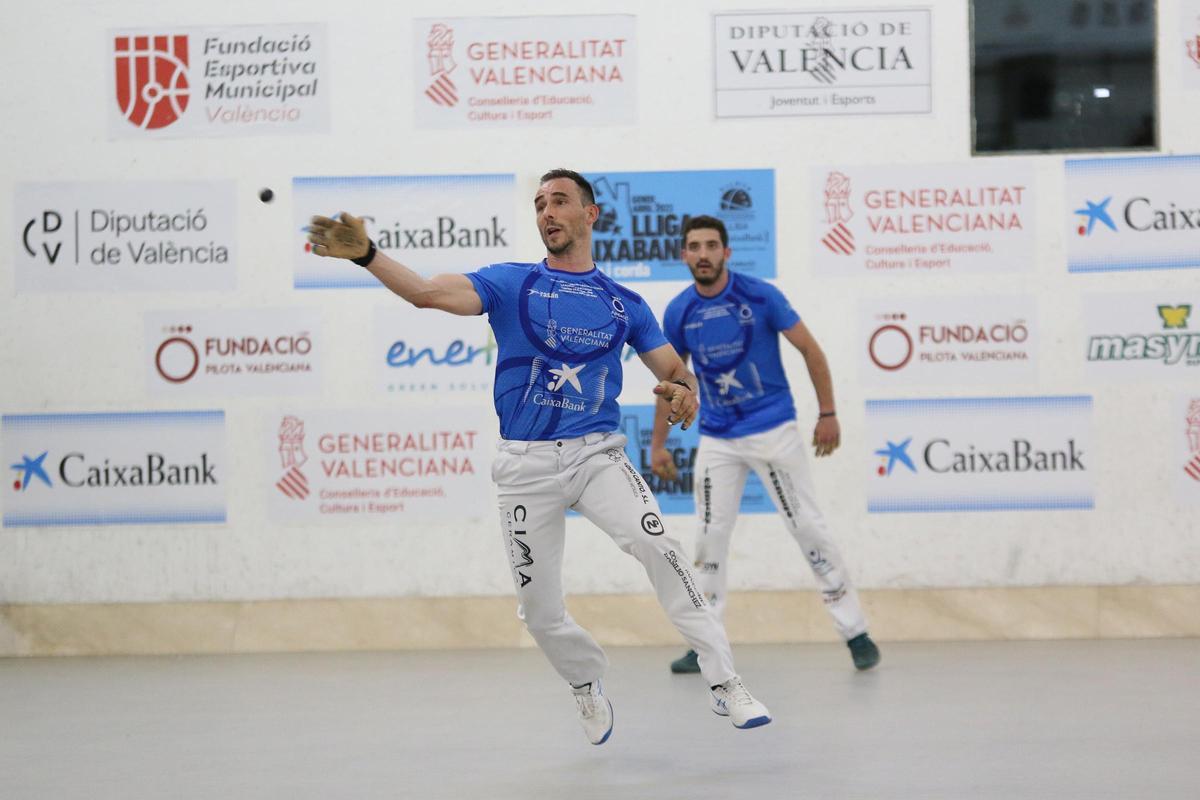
{"x":151,"y":79}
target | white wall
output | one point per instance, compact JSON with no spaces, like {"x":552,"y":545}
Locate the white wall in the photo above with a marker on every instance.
{"x":84,"y":352}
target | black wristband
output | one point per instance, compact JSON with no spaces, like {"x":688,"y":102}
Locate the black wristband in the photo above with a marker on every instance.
{"x":684,"y":385}
{"x":363,"y":261}
{"x":824,"y":414}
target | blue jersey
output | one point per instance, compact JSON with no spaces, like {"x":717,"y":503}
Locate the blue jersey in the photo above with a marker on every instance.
{"x":733,"y":339}
{"x":559,"y":339}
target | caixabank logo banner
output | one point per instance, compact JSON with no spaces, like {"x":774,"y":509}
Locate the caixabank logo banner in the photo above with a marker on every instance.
{"x":639,"y":234}
{"x":218,"y":81}
{"x":430,"y":223}
{"x":922,"y":218}
{"x":1133,"y":213}
{"x":90,"y":236}
{"x":1143,"y":336}
{"x":524,"y":72}
{"x":374,"y":465}
{"x":980,"y":454}
{"x":120,"y":468}
{"x":678,"y":496}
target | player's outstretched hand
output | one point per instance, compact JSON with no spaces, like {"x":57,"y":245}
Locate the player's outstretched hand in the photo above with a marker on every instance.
{"x":662,"y":464}
{"x":345,"y":237}
{"x":684,"y":403}
{"x":827,"y":436}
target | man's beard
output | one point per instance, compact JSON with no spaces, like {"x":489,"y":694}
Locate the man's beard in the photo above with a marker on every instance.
{"x":718,"y":269}
{"x":567,"y":243}
{"x":560,"y":249}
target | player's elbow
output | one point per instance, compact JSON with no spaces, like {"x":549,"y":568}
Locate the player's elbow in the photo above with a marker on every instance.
{"x":427,"y":298}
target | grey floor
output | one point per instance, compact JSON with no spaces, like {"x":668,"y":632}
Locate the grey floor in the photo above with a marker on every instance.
{"x":983,"y":720}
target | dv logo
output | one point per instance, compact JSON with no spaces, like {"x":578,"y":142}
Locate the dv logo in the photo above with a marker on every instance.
{"x":51,"y":224}
{"x":151,"y":79}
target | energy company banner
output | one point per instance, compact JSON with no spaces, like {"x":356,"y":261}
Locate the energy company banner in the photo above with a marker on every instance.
{"x":114,"y":468}
{"x":430,"y":223}
{"x":676,"y":497}
{"x":233,"y":351}
{"x":378,"y":465}
{"x":921,"y":218}
{"x":1140,"y":337}
{"x":235,"y":80}
{"x":980,"y":454}
{"x":1133,"y":213}
{"x":487,"y":72}
{"x":955,"y":340}
{"x":414,"y":351}
{"x":134,"y":236}
{"x":638,"y":236}
{"x":808,"y":63}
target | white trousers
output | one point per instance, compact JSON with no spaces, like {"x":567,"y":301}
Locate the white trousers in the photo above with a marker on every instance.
{"x":537,"y":482}
{"x":779,"y":458}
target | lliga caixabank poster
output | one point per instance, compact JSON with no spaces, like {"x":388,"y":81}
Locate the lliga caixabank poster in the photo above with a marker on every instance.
{"x":639,"y":235}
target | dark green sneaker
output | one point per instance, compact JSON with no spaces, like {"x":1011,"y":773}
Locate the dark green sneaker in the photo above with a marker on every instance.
{"x":687,"y":663}
{"x":862,"y":650}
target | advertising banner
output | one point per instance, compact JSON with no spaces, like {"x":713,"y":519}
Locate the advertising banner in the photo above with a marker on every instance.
{"x":1133,"y":213}
{"x":809,"y":63}
{"x":1144,"y":336}
{"x":676,"y":497}
{"x":922,"y":218}
{"x":226,"y":352}
{"x":419,"y":351}
{"x":378,"y":465}
{"x":429,"y":223}
{"x":528,"y":72}
{"x":135,"y":468}
{"x":956,"y":340}
{"x":1189,"y":26}
{"x":134,"y":236}
{"x":638,"y":236}
{"x":235,"y":80}
{"x":1185,"y":433}
{"x":980,"y":454}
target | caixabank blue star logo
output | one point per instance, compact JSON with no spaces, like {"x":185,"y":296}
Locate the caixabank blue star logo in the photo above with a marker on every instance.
{"x":30,"y":469}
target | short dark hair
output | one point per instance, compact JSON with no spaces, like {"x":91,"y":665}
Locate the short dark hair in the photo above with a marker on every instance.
{"x":705,"y":221}
{"x":585,"y":188}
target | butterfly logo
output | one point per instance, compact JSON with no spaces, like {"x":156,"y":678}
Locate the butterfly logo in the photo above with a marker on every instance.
{"x":1174,"y":316}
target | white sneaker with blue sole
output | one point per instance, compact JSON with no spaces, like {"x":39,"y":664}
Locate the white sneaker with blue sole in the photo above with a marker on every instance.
{"x":595,"y":712}
{"x":732,"y":699}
